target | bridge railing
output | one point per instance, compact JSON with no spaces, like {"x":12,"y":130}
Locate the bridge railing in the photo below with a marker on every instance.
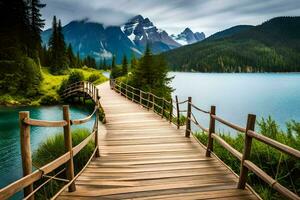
{"x":26,"y":123}
{"x":246,"y":165}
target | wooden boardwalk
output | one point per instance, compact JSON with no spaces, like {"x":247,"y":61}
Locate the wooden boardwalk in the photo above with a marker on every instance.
{"x":145,"y":157}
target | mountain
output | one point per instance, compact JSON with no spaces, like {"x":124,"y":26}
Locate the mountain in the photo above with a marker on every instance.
{"x":229,"y":32}
{"x":141,"y":30}
{"x":273,"y":46}
{"x":188,"y":37}
{"x":90,"y":38}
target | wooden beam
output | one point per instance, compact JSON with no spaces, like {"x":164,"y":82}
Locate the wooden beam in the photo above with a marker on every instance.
{"x":211,"y":130}
{"x":68,"y":147}
{"x":246,"y":152}
{"x":25,"y":150}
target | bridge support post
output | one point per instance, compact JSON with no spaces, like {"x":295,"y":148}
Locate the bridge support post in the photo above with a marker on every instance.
{"x":97,"y":154}
{"x":246,"y":153}
{"x":171,"y":111}
{"x":68,"y":147}
{"x":140,"y":97}
{"x":163,"y":108}
{"x":25,"y":150}
{"x":188,"y":118}
{"x":211,"y":130}
{"x":148,"y":101}
{"x":178,"y":114}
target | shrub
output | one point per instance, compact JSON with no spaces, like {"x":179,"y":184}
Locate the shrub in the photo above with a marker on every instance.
{"x":51,"y":149}
{"x":22,"y":76}
{"x":75,"y":76}
{"x":49,"y":99}
{"x":93,"y":77}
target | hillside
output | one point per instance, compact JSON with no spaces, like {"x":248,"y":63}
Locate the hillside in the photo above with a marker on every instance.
{"x":229,"y":32}
{"x":273,"y":46}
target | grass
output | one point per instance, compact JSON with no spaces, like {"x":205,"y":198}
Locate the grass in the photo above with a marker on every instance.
{"x":285,"y":169}
{"x":48,"y":94}
{"x":51,"y":149}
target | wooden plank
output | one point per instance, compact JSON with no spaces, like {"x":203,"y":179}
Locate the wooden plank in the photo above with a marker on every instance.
{"x":145,"y":157}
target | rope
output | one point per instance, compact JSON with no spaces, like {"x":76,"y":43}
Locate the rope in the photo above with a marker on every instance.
{"x":43,"y":172}
{"x":199,"y":109}
{"x":182,"y":102}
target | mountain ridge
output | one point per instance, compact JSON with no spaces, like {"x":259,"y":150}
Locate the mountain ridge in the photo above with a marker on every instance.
{"x":94,"y":39}
{"x":273,"y":46}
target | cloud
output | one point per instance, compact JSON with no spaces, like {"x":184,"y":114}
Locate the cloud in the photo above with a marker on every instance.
{"x":174,"y":16}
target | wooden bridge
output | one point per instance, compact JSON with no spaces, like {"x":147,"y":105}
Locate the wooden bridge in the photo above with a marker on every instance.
{"x":144,"y":152}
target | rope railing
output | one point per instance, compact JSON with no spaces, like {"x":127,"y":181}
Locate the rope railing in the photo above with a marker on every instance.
{"x":29,"y":177}
{"x":248,"y":131}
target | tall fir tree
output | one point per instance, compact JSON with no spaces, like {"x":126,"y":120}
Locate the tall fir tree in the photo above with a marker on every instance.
{"x":37,"y":24}
{"x":78,"y":60}
{"x":71,"y":57}
{"x":114,"y":70}
{"x":133,"y":61}
{"x":57,"y":48}
{"x":151,"y":74}
{"x":124,"y":65}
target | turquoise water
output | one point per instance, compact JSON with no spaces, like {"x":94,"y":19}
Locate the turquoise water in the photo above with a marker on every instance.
{"x":10,"y":159}
{"x":236,"y":95}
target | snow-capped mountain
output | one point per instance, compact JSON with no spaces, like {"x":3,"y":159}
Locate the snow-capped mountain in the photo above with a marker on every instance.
{"x":141,"y":31}
{"x":90,"y":38}
{"x":188,"y":37}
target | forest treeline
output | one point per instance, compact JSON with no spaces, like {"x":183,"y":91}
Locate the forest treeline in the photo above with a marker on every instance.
{"x":22,"y":54}
{"x":273,"y":46}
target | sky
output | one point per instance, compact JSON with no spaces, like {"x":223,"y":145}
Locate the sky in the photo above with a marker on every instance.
{"x":208,"y":16}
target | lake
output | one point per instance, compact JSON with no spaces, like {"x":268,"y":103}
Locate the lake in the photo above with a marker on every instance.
{"x":10,"y":156}
{"x":236,"y":95}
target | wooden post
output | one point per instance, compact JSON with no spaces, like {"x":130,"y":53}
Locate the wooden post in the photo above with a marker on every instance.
{"x":188,"y":117}
{"x":212,"y":124}
{"x":153,"y":102}
{"x":171,"y":110}
{"x":246,"y":152}
{"x":148,"y":101}
{"x":163,"y":108}
{"x":140,"y":97}
{"x":133,"y":94}
{"x":68,"y":147}
{"x":25,"y":150}
{"x":126,"y":91}
{"x":97,"y":154}
{"x":178,"y":114}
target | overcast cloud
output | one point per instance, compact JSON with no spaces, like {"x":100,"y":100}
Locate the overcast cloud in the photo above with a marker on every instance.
{"x":208,"y":16}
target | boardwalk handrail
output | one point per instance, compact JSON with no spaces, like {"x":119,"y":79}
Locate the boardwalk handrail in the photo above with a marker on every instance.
{"x":249,"y":132}
{"x":29,"y":177}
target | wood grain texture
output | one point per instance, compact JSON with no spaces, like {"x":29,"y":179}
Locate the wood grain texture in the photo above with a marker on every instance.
{"x":143,"y":156}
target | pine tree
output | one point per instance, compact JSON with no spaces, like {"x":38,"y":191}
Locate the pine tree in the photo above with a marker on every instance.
{"x":37,"y":24}
{"x":143,"y":73}
{"x":114,"y":70}
{"x":78,"y":60}
{"x":133,"y":61}
{"x":57,"y":47}
{"x":71,"y":57}
{"x":124,"y":66}
{"x":151,"y":74}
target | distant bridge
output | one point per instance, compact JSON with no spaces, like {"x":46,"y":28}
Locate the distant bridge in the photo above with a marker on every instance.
{"x":144,"y":152}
